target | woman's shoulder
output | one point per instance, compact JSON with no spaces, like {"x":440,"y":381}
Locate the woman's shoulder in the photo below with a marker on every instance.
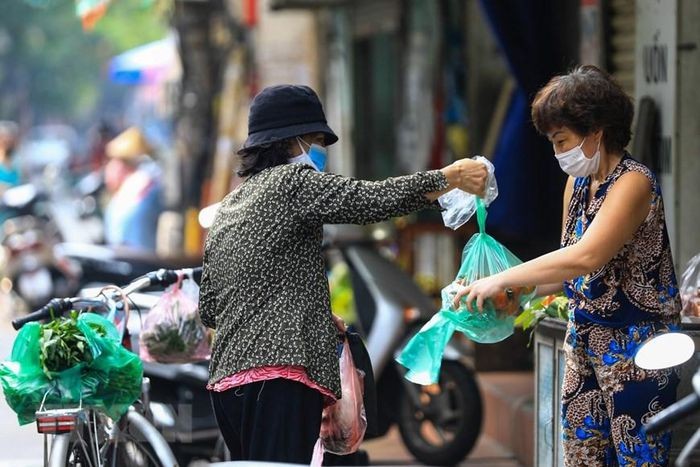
{"x":630,"y":164}
{"x":282,"y":173}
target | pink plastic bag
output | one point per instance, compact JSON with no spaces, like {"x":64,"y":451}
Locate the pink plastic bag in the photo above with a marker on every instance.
{"x":343,"y":424}
{"x":172,"y":331}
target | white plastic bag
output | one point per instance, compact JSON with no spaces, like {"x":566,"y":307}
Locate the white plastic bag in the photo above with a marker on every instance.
{"x":459,"y":206}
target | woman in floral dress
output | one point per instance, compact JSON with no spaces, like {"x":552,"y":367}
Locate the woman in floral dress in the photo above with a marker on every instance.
{"x":614,"y":264}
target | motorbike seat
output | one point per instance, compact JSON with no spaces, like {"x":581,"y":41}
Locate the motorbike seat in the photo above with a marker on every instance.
{"x":191,"y":374}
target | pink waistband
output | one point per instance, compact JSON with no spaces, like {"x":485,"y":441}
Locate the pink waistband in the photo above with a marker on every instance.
{"x":266,"y":373}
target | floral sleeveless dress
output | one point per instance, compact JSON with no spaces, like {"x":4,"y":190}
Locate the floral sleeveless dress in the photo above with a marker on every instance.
{"x":606,"y":399}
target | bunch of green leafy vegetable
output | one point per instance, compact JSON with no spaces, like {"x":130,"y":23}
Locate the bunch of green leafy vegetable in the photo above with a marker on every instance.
{"x":63,"y":345}
{"x":551,"y":306}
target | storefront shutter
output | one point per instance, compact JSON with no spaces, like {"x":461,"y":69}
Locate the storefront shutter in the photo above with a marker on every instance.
{"x":621,"y":42}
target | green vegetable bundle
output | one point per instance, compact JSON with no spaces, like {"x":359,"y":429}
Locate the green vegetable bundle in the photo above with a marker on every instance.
{"x":69,"y":361}
{"x":551,"y":306}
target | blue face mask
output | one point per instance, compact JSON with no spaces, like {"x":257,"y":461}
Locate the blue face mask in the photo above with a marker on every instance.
{"x":318,"y":155}
{"x":315,"y":157}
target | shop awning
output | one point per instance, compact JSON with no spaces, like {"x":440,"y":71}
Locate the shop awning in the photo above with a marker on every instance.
{"x":147,"y":64}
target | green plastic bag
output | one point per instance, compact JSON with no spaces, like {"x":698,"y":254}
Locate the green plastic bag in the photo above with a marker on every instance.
{"x":111,"y":381}
{"x":483,"y":256}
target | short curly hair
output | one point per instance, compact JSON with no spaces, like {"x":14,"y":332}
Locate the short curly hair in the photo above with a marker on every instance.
{"x":584,"y":100}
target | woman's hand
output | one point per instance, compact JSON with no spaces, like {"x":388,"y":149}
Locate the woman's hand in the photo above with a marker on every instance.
{"x":479,"y":290}
{"x":339,"y":323}
{"x":467,"y":175}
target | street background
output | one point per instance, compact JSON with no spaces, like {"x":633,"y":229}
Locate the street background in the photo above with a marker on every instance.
{"x":407,"y":85}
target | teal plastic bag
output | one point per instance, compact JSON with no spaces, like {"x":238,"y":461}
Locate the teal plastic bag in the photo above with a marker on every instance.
{"x":482,"y":256}
{"x":110,"y":381}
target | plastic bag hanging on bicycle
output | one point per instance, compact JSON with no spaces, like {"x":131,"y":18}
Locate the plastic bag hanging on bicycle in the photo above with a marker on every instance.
{"x":68,"y":362}
{"x":173,"y":331}
{"x":483,"y":256}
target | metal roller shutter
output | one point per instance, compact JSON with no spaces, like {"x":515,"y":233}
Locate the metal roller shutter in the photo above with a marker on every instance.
{"x":621,"y":37}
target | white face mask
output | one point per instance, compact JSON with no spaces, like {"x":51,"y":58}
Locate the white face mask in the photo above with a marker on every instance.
{"x":303,"y":158}
{"x":575,"y":163}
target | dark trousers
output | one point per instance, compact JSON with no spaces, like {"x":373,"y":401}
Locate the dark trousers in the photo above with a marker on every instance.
{"x":274,"y":421}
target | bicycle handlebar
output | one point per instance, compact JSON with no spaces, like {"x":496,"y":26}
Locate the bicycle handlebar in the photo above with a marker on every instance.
{"x":59,"y":306}
{"x":56,"y":306}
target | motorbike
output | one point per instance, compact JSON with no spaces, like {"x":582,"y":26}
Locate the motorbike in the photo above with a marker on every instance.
{"x":439,"y":424}
{"x":32,"y":270}
{"x":666,"y":351}
{"x":36,"y":261}
{"x":100,"y":264}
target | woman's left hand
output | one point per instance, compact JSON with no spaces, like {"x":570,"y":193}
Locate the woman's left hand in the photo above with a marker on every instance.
{"x":339,"y":323}
{"x":479,"y":290}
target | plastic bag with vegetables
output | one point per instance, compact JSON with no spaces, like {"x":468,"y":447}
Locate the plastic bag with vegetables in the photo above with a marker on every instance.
{"x":69,"y":361}
{"x":343,"y":424}
{"x":483,"y":256}
{"x":172,"y":331}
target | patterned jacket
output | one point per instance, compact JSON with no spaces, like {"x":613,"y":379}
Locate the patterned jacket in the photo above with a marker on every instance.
{"x":264,"y":286}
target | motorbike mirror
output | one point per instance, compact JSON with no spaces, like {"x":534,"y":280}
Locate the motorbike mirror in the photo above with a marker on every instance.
{"x":18,"y":196}
{"x":665,"y":351}
{"x":206,"y":215}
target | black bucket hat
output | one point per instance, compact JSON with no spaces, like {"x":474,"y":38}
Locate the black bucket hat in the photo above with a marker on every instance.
{"x":286,"y":111}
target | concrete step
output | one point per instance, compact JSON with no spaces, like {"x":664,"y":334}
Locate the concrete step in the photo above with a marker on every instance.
{"x":509,"y":412}
{"x":390,"y":451}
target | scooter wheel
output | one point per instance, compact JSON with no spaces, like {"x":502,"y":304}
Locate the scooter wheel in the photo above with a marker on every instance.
{"x":443,"y":429}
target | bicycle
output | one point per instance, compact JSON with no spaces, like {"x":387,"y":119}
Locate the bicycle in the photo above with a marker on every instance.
{"x":86,"y":437}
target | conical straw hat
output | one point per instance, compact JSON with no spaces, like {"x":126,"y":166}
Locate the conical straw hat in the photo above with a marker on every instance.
{"x":129,"y":145}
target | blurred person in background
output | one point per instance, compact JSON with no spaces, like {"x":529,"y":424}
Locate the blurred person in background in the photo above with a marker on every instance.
{"x":9,"y":174}
{"x":274,"y":364}
{"x":133,"y":181}
{"x":101,"y":135}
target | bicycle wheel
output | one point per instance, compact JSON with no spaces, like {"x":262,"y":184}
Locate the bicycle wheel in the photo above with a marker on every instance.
{"x":71,"y":450}
{"x":141,"y":440}
{"x":135,"y":443}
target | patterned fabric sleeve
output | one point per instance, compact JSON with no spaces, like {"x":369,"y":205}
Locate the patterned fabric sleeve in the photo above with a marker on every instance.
{"x":207,"y":298}
{"x":333,"y":199}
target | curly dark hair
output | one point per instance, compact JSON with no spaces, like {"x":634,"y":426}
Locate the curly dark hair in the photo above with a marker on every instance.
{"x":255,"y":160}
{"x":584,"y":100}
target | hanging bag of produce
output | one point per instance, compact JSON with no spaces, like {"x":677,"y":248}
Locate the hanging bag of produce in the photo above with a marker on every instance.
{"x":483,"y":256}
{"x":172,"y":331}
{"x":343,"y":424}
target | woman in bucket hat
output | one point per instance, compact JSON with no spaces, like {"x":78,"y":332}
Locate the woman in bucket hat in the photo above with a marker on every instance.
{"x":274,"y":363}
